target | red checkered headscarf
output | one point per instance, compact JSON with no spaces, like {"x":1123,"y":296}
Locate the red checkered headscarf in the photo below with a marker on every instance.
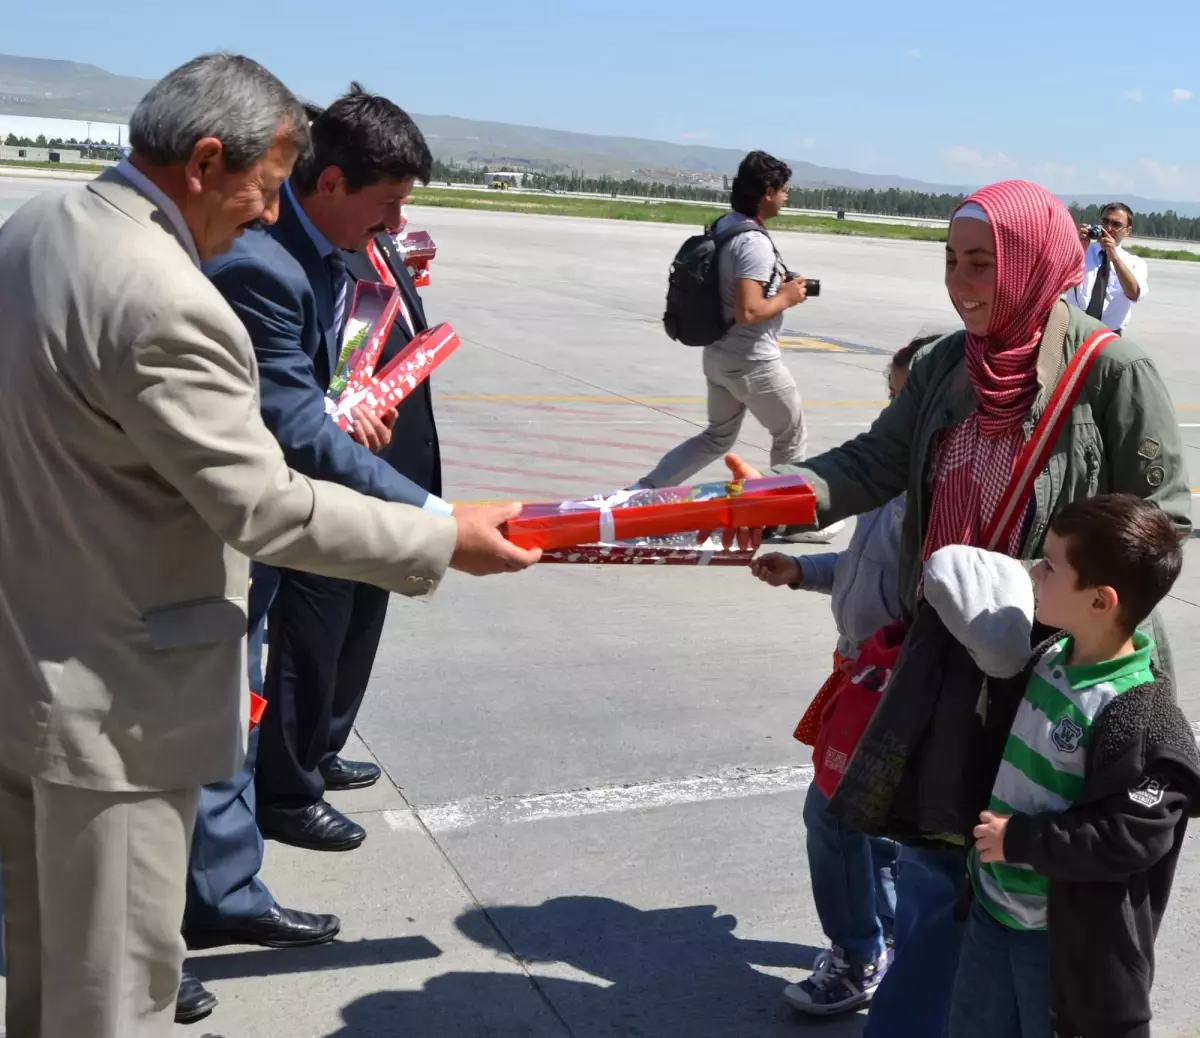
{"x":1038,"y":257}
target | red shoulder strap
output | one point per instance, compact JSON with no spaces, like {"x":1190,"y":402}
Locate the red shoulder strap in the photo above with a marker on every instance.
{"x":1036,"y":453}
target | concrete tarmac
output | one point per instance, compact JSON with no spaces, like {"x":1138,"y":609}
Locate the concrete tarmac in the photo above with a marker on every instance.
{"x":590,"y":823}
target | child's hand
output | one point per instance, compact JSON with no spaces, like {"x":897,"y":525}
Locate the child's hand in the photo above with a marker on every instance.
{"x":777,"y":569}
{"x":989,"y":836}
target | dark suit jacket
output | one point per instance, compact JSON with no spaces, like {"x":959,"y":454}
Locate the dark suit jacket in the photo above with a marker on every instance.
{"x":414,"y":450}
{"x":279,"y":286}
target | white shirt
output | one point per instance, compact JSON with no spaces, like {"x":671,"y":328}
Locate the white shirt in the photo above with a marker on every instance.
{"x":159,"y":197}
{"x":1118,"y":307}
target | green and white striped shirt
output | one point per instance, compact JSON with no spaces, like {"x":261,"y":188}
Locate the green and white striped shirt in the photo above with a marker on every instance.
{"x":1045,"y":762}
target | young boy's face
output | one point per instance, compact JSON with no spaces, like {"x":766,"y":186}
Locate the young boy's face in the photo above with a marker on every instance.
{"x":1061,"y":602}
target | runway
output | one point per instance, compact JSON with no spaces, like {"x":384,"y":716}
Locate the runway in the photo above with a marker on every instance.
{"x":592,"y":820}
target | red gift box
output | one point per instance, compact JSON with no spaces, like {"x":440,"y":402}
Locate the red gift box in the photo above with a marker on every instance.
{"x":374,"y":305}
{"x":399,"y":377}
{"x":419,"y":252}
{"x":635,"y":514}
{"x":258,"y":706}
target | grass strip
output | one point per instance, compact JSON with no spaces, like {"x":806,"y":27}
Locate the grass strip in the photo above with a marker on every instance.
{"x":655,"y":211}
{"x":74,"y":167}
{"x":1168,"y":254}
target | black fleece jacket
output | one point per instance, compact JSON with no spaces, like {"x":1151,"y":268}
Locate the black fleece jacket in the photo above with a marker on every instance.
{"x":1111,"y":856}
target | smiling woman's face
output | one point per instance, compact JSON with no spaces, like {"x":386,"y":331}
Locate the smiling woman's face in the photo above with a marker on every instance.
{"x":971,"y":273}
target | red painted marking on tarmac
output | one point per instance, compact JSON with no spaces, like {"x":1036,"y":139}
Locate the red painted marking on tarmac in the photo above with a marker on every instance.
{"x":572,"y":410}
{"x":621,"y":463}
{"x":513,"y":493}
{"x":505,"y":470}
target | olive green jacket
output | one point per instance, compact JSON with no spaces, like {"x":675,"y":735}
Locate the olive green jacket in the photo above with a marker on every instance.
{"x":1122,"y":437}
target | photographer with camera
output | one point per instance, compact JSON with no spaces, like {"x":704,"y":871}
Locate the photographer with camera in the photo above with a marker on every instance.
{"x":1113,"y":279}
{"x":743,"y":366}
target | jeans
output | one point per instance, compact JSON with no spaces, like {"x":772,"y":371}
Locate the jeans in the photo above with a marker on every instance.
{"x":736,"y":385}
{"x":852,"y":882}
{"x":1003,"y":985}
{"x":913,"y":1001}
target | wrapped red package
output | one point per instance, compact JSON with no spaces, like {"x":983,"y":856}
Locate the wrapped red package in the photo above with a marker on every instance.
{"x":652,"y":551}
{"x":399,"y":377}
{"x":372,"y":313}
{"x":630,"y":515}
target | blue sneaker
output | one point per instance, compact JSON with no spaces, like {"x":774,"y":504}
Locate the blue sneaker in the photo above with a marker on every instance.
{"x":836,"y":985}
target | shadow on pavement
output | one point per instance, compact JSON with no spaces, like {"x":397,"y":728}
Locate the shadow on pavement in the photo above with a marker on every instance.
{"x":658,"y":973}
{"x":376,"y":951}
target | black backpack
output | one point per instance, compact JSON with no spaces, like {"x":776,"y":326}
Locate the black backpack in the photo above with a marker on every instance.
{"x":693,"y":315}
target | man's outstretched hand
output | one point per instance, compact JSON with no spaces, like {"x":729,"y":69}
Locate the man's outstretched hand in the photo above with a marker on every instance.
{"x":482,"y":549}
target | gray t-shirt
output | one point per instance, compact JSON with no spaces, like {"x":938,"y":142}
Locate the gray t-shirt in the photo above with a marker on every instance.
{"x":749,"y":256}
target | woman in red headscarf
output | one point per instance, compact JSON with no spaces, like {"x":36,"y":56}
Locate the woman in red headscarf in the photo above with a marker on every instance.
{"x":952,"y":440}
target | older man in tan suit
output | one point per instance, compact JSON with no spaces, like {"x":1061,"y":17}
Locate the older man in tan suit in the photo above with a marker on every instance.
{"x":137,"y":478}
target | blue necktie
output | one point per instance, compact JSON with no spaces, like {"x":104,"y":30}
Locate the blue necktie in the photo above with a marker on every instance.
{"x":340,"y":283}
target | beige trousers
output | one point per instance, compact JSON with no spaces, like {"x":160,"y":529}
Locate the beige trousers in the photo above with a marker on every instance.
{"x":766,"y":389}
{"x":94,"y":889}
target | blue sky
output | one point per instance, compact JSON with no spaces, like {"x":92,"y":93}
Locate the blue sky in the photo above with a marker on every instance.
{"x":1092,"y":96}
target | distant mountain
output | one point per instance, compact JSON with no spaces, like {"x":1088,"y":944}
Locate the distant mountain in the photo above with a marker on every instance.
{"x":70,"y":90}
{"x":468,"y":140}
{"x":45,"y":88}
{"x":1136,"y":203}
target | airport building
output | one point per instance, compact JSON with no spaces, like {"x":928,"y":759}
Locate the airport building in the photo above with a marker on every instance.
{"x":21,"y":153}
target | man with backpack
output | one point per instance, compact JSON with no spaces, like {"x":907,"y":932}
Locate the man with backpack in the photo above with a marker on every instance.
{"x":728,"y":292}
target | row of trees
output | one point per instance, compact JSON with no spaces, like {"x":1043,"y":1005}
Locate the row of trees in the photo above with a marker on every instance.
{"x":101,"y":149}
{"x":450,"y":172}
{"x":892,"y":202}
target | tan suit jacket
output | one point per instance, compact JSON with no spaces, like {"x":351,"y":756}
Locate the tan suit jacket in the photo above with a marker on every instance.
{"x":136,"y":477}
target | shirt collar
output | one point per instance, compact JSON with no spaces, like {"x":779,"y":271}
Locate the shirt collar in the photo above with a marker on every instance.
{"x":325,"y":247}
{"x":1084,"y":677}
{"x":159,"y":197}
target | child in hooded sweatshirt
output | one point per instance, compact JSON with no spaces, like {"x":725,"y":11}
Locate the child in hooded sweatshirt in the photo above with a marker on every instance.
{"x":1096,"y":775}
{"x":851,"y":874}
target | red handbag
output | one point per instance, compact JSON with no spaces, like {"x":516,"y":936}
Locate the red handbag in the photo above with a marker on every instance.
{"x":852,"y":705}
{"x":810,"y":724}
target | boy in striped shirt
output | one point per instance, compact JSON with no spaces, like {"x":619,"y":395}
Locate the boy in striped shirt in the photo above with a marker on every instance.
{"x":1074,"y":856}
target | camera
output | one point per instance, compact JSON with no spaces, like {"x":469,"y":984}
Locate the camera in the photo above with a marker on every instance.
{"x":1094,"y":232}
{"x":812,"y":286}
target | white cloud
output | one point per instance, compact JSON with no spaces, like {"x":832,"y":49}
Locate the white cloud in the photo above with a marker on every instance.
{"x":808,"y":142}
{"x":960,"y":155}
{"x":1136,"y":96}
{"x":1114,"y":179}
{"x":914,"y":54}
{"x":1164,"y":176}
{"x":1181,"y":94}
{"x":1055,"y":172}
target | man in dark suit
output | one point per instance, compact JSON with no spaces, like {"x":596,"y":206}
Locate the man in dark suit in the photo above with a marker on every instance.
{"x":291,"y":284}
{"x":414,"y":453}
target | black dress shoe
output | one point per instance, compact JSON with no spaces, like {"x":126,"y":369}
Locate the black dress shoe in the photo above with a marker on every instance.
{"x":320,"y":827}
{"x":349,"y":774}
{"x":279,"y":928}
{"x":194,"y":1001}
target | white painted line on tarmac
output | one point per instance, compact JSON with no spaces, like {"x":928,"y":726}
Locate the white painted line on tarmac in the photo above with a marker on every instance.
{"x":733,"y":784}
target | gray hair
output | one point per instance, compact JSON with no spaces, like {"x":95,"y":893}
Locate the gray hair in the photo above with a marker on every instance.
{"x":225,"y":96}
